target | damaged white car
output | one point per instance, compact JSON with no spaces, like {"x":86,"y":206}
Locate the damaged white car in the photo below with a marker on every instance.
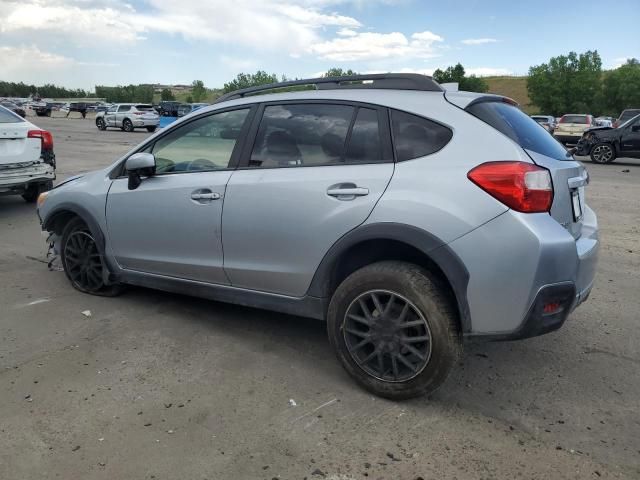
{"x":27,"y":161}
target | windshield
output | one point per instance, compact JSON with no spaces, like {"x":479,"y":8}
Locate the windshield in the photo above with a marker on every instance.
{"x":7,"y":116}
{"x":519,"y":127}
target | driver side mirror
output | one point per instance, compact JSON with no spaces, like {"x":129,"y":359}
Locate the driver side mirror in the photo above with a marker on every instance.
{"x":139,"y":165}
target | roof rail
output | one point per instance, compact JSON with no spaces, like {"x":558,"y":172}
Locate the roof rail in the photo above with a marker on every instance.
{"x":390,"y":81}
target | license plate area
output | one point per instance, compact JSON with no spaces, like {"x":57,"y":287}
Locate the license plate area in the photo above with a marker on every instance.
{"x":576,"y":204}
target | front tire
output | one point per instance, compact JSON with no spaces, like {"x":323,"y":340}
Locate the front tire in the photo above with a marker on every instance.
{"x":395,"y":329}
{"x":151,"y":129}
{"x":82,"y":261}
{"x":603,"y":153}
{"x":100,"y":123}
{"x":127,"y":126}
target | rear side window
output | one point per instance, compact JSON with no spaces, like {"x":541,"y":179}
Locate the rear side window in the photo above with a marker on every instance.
{"x":124,"y":108}
{"x":7,"y":116}
{"x":583,"y":119}
{"x":516,"y":125}
{"x":415,"y":136}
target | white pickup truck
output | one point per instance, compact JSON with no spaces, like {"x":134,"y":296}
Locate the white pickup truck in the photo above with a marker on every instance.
{"x":27,"y":161}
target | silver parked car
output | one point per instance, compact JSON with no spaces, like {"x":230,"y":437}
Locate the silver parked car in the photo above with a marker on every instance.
{"x":128,"y":116}
{"x":408,"y":217}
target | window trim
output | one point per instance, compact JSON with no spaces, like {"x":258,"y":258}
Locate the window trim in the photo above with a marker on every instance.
{"x":383,"y":130}
{"x":119,"y":171}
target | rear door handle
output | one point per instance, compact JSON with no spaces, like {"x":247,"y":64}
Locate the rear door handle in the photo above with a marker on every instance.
{"x":347,"y":191}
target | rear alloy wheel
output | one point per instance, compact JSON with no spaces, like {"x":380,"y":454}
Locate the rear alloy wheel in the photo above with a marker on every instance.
{"x":603,"y":153}
{"x":127,"y":126}
{"x":394,"y":329}
{"x":101,"y":124}
{"x":82,"y":261}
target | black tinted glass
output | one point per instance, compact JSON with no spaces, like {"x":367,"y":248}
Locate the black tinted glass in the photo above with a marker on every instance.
{"x":415,"y":136}
{"x":301,"y":135}
{"x":582,"y":119}
{"x":364,"y":143}
{"x":516,"y":125}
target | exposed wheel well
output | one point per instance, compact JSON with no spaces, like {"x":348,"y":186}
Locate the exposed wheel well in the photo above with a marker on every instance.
{"x":371,"y":251}
{"x":58,"y":222}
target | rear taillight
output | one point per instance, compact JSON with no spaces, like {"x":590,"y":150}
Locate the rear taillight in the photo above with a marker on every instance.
{"x":520,"y":186}
{"x":46,"y":139}
{"x":138,"y":113}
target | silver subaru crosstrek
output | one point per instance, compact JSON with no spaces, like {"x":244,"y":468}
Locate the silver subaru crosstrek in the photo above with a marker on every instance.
{"x":407,"y":216}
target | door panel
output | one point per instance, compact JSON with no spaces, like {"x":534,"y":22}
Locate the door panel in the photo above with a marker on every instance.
{"x":169,"y":225}
{"x":279,"y":223}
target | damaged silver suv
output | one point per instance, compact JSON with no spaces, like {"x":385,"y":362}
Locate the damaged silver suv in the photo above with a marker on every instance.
{"x":406,"y":216}
{"x":27,"y":161}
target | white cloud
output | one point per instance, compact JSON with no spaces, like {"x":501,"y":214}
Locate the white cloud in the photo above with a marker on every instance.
{"x":618,"y":62}
{"x":373,"y":46}
{"x":346,"y":32}
{"x":479,"y":41}
{"x":479,"y":71}
{"x":286,"y":25}
{"x":30,"y":64}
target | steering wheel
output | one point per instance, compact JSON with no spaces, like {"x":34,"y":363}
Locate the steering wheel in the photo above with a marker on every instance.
{"x":200,"y":164}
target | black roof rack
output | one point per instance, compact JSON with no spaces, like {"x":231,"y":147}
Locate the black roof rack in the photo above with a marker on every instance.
{"x":390,"y":81}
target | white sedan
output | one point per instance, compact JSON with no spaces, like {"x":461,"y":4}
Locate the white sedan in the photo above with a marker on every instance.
{"x":27,"y":161}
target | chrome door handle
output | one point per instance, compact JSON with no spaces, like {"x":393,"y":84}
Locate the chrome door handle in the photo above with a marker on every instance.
{"x":348,"y":192}
{"x":205,"y":196}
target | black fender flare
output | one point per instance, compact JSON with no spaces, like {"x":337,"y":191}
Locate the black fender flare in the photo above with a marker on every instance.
{"x":430,"y":245}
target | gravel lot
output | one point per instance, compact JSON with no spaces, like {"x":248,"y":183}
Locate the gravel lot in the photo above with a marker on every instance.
{"x":161,"y":386}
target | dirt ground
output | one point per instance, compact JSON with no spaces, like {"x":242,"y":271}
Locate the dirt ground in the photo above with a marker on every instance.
{"x":159,"y":386}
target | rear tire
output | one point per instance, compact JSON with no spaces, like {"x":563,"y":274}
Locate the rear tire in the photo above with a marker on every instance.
{"x":82,"y":261}
{"x":603,"y":153}
{"x":100,"y":123}
{"x":151,"y":129}
{"x":391,"y":354}
{"x":127,"y":126}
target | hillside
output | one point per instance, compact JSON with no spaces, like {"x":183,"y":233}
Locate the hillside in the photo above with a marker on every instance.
{"x":512,"y":87}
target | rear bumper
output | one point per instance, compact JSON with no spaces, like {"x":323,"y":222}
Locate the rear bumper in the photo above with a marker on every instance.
{"x":568,"y":137}
{"x":516,"y":263}
{"x":145,"y":122}
{"x":17,"y":179}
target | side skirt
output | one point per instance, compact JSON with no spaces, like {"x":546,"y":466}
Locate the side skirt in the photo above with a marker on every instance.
{"x":307,"y":306}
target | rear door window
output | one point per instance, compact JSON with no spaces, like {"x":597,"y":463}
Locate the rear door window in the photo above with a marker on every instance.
{"x":415,"y":136}
{"x":519,"y":127}
{"x":364,"y":144}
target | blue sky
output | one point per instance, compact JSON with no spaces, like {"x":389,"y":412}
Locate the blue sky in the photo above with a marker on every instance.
{"x":79,"y":43}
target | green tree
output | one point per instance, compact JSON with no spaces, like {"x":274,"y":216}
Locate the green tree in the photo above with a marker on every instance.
{"x":189,"y":99}
{"x":198,"y":92}
{"x":458,"y":75}
{"x":622,"y":87}
{"x":166,"y":95}
{"x":339,"y":72}
{"x":246,"y":80}
{"x":567,"y":84}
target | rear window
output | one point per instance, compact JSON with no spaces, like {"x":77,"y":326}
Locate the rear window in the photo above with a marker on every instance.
{"x":575,"y":119}
{"x":144,"y":107}
{"x":7,"y":116}
{"x":519,"y":127}
{"x":415,"y":137}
